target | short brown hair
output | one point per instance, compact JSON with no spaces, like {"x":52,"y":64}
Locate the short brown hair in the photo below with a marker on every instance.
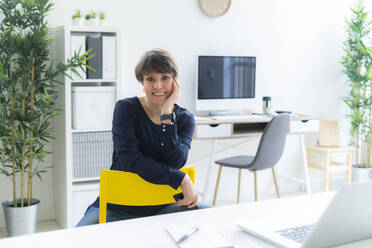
{"x":156,"y":60}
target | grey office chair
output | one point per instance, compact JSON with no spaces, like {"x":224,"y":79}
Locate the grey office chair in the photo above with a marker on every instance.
{"x":269,"y":151}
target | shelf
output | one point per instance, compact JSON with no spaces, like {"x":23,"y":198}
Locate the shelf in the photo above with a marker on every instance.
{"x":94,"y":81}
{"x":85,"y":186}
{"x":248,"y":128}
{"x":88,"y":179}
{"x":87,"y":29}
{"x":89,"y":131}
{"x":77,"y":185}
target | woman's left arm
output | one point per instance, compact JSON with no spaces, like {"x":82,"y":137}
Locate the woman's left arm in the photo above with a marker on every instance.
{"x":177,"y":139}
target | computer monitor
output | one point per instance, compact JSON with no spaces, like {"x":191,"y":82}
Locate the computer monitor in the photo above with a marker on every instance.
{"x":225,"y":82}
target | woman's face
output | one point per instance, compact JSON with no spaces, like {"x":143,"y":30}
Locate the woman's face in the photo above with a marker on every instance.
{"x":157,"y":87}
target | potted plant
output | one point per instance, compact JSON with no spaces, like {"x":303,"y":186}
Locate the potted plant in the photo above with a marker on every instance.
{"x":357,"y":63}
{"x":102,"y":18}
{"x":87,"y":20}
{"x":91,"y":18}
{"x":76,"y":18}
{"x":28,"y":103}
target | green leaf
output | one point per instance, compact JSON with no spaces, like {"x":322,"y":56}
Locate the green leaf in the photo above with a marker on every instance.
{"x":89,"y":67}
{"x":6,"y":173}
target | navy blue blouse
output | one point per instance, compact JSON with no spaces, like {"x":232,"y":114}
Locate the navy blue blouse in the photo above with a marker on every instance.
{"x":154,"y":152}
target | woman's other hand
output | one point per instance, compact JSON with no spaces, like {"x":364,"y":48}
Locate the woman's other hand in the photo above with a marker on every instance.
{"x":168,"y":106}
{"x":190,"y":195}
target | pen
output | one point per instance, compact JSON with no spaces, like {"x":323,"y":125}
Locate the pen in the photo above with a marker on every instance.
{"x":187,"y":235}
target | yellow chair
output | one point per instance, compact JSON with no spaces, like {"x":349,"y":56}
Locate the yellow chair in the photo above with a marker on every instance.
{"x":129,"y":189}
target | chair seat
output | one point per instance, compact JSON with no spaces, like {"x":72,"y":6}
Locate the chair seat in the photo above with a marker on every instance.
{"x":339,"y":149}
{"x":332,"y":167}
{"x":236,"y":161}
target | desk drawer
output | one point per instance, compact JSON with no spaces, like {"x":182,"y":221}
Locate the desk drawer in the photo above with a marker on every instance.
{"x":211,"y":131}
{"x":303,"y":126}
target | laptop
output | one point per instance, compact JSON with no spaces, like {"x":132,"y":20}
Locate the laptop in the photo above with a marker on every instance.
{"x":347,"y":218}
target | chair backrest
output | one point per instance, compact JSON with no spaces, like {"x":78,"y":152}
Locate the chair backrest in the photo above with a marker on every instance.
{"x":127,"y":188}
{"x":328,"y":135}
{"x":272,"y":143}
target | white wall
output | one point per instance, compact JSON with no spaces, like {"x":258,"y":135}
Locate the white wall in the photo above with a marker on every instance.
{"x":298,"y":45}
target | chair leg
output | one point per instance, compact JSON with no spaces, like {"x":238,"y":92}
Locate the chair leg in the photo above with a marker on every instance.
{"x":349,"y":166}
{"x":240,"y":174}
{"x":276,"y":182}
{"x":327,"y":181}
{"x":255,"y":185}
{"x":327,"y":173}
{"x":217,"y":183}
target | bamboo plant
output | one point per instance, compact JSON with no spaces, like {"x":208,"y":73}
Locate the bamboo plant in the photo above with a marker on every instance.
{"x":28,"y":96}
{"x":357,"y":63}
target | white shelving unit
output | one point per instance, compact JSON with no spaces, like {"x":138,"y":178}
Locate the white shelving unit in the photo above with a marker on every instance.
{"x":73,"y":195}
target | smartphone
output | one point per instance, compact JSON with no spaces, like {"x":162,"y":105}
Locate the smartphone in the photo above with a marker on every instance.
{"x":179,"y":196}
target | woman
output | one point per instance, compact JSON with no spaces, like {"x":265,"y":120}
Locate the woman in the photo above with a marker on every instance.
{"x":152,"y":137}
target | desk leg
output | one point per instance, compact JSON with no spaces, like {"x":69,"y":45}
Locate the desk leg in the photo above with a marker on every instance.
{"x":306,"y":167}
{"x":209,"y":170}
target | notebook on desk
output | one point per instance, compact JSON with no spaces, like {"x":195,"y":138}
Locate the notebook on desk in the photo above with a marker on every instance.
{"x":348,"y":218}
{"x":206,"y":236}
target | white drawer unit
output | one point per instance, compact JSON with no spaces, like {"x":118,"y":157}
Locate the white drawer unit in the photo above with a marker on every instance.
{"x":301,"y":126}
{"x":212,"y":131}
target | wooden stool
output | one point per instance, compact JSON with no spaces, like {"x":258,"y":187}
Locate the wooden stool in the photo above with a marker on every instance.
{"x":328,"y":146}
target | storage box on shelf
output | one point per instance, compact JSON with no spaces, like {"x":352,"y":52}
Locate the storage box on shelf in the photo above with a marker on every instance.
{"x":92,"y":152}
{"x":92,"y":107}
{"x":83,"y":144}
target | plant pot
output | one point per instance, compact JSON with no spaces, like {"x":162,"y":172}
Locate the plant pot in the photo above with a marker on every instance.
{"x":101,"y":22}
{"x":91,"y":22}
{"x":77,"y":21}
{"x":21,"y":220}
{"x":361,"y":174}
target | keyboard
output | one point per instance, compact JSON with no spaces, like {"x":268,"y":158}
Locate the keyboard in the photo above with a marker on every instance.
{"x":298,"y":234}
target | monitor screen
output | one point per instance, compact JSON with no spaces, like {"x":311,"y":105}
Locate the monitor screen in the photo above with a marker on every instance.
{"x":226,"y":77}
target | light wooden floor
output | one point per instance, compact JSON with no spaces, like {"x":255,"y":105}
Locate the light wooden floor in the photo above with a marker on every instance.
{"x":42,"y":226}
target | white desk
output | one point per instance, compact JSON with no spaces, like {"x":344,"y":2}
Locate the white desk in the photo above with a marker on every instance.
{"x":227,"y":127}
{"x":150,"y":232}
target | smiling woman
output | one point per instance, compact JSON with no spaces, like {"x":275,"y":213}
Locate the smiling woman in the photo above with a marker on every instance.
{"x":152,"y":137}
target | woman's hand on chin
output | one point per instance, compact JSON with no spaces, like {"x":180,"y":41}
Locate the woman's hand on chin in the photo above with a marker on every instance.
{"x":168,"y":105}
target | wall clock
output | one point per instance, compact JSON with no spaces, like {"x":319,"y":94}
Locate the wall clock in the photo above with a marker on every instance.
{"x":214,"y":8}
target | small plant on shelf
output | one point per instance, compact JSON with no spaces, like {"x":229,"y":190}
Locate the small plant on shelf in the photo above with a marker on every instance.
{"x":77,"y":14}
{"x":102,"y":15}
{"x":76,"y":17}
{"x":91,"y":18}
{"x":102,"y":18}
{"x":93,"y":15}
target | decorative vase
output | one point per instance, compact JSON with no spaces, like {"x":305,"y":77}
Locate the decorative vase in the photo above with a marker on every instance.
{"x":361,"y":174}
{"x":77,"y":21}
{"x":21,"y":220}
